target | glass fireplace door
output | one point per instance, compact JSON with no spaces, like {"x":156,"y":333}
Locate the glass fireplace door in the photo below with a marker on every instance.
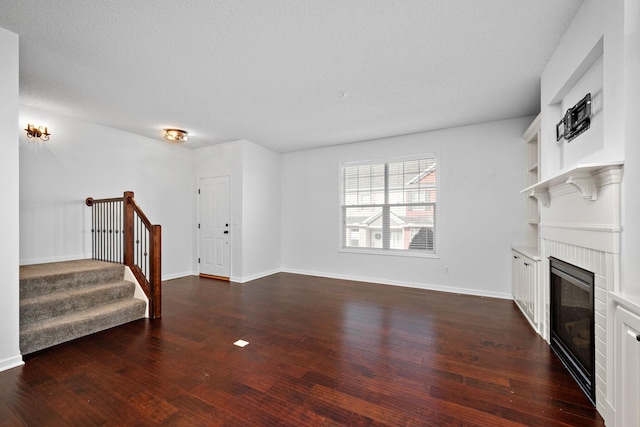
{"x":572,"y":321}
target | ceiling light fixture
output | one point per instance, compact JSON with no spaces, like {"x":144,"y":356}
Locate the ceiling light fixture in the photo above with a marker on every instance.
{"x":38,"y":132}
{"x":176,"y":136}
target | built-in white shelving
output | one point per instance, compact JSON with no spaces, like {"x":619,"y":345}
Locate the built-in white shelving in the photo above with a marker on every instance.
{"x":526,"y":258}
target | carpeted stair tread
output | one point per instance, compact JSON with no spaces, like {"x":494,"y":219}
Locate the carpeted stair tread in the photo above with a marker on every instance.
{"x":62,"y":267}
{"x":43,"y":306}
{"x":63,"y":301}
{"x":49,"y":332}
{"x":59,"y":276}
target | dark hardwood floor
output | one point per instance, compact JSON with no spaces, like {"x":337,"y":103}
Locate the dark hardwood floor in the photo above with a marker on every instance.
{"x":321,"y":352}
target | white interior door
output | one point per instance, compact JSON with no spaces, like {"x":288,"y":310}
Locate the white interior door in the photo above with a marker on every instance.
{"x":214,"y":227}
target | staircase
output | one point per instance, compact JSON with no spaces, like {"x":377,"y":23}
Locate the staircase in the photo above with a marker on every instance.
{"x":66,"y":300}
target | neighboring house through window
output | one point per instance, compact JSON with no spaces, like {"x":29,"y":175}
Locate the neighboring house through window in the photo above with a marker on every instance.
{"x":390,"y":205}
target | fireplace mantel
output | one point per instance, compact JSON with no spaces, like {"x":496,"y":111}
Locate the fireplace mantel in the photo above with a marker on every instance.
{"x":581,"y":224}
{"x":585,"y":178}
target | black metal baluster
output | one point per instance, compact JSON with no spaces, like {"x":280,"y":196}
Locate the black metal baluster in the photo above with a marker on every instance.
{"x":104,"y":231}
{"x":141,"y":243}
{"x":100,"y":215}
{"x":146,"y":245}
{"x":107,"y":235}
{"x":138,"y":241}
{"x":142,"y":247}
{"x":122,"y":231}
{"x":135,"y":234}
{"x":101,"y":231}
{"x":105,"y":220}
{"x":122,"y":234}
{"x":117,"y":231}
{"x":135,"y":250}
{"x":114,"y":256}
{"x":111,"y":232}
{"x":149,"y":250}
{"x":96,"y":214}
{"x":93,"y":233}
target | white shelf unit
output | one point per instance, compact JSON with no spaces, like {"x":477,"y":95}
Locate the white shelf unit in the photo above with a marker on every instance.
{"x":531,"y":138}
{"x":526,"y":259}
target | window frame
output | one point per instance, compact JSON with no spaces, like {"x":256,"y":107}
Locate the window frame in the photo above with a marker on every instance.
{"x":384,"y":251}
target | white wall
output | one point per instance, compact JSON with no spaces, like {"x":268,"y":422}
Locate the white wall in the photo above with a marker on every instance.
{"x":261,"y":211}
{"x":254,"y":174}
{"x":83,"y":160}
{"x":9,"y":214}
{"x":609,"y":31}
{"x":479,"y":218}
{"x":223,"y":160}
{"x":592,"y":140}
{"x":631,"y":225}
{"x":588,"y":59}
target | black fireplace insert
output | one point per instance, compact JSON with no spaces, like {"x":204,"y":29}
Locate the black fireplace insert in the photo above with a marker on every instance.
{"x":572,"y":322}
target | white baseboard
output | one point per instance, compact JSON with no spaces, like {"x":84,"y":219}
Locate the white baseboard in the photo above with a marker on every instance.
{"x":425,"y":286}
{"x":254,"y":276}
{"x":10,"y":363}
{"x":178,"y":275}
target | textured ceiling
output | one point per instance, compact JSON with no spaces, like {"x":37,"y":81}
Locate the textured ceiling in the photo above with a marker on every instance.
{"x":288,"y":74}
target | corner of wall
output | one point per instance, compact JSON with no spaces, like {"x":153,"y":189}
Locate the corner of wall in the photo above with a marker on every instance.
{"x":9,"y":214}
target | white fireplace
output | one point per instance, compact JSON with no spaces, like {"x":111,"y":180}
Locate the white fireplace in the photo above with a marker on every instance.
{"x":580,"y":225}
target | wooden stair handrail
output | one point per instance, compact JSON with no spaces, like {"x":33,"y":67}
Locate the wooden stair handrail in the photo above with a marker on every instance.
{"x":151,"y":285}
{"x":90,"y":201}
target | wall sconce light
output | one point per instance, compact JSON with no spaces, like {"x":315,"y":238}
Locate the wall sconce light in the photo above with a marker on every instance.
{"x":38,"y":132}
{"x":176,"y":136}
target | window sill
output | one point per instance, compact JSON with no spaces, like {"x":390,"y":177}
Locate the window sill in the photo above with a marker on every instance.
{"x":389,"y":252}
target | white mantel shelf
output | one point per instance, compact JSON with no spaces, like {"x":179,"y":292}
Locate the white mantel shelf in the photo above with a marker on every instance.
{"x":582,"y":177}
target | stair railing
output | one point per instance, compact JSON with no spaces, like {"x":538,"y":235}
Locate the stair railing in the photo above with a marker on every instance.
{"x":122,"y":233}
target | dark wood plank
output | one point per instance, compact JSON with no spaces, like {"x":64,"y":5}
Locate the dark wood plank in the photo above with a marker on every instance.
{"x":321,"y":352}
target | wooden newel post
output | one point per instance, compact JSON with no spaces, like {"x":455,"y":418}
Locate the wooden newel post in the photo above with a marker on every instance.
{"x":155,"y":247}
{"x":128,"y":228}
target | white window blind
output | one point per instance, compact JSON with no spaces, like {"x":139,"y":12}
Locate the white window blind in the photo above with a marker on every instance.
{"x":391,"y":205}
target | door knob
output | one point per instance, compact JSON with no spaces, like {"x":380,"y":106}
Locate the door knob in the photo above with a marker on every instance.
{"x":226,"y":231}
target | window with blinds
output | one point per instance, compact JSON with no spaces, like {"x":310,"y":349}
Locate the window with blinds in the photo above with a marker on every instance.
{"x":390,"y":206}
